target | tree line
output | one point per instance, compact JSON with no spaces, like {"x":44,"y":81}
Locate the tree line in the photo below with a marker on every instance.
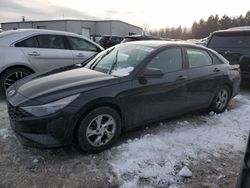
{"x":203,"y":28}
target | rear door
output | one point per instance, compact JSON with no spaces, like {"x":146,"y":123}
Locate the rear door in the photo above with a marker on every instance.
{"x":46,"y":52}
{"x":81,"y":49}
{"x":159,"y":97}
{"x":204,"y":77}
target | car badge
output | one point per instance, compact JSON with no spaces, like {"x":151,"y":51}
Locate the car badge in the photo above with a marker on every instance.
{"x":11,"y":92}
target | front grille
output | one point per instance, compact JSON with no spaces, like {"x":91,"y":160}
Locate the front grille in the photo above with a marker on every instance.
{"x":16,"y":113}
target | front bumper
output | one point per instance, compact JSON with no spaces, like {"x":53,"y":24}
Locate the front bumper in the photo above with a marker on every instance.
{"x":55,"y":130}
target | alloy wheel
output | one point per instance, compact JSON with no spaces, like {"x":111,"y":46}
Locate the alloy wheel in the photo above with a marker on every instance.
{"x":222,"y":99}
{"x":13,"y":77}
{"x":101,"y":130}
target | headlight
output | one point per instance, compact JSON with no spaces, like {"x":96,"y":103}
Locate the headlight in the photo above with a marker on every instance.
{"x":52,"y":107}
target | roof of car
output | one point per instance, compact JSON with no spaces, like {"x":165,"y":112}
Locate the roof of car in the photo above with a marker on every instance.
{"x":244,"y":29}
{"x":161,"y":43}
{"x":9,"y":37}
{"x":142,"y":37}
{"x":42,"y":31}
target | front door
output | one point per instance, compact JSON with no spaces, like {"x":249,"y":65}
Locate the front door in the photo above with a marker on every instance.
{"x":159,"y":97}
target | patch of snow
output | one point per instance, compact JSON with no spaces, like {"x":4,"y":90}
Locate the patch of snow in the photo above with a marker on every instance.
{"x":185,"y":172}
{"x":122,"y":72}
{"x":38,"y":159}
{"x":5,"y":133}
{"x":209,"y":161}
{"x":158,"y":156}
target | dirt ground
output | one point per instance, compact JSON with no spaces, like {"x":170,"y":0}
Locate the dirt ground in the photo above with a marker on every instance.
{"x":22,"y":166}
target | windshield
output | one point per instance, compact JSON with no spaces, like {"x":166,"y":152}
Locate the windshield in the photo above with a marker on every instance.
{"x":120,"y":60}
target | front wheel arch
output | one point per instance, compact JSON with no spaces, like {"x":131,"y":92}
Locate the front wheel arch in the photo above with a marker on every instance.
{"x":83,"y":126}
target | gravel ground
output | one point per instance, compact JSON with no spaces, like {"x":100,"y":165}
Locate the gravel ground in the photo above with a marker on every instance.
{"x":68,"y":167}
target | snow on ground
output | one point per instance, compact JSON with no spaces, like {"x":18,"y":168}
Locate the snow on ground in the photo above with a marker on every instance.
{"x":5,"y":133}
{"x":156,"y":159}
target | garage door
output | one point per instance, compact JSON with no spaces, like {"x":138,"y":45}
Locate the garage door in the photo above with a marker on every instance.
{"x":86,"y":32}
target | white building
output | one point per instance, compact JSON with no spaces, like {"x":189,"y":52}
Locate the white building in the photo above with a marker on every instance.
{"x":88,"y":28}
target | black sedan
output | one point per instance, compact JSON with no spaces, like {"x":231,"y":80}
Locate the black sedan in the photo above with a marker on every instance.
{"x":122,"y":87}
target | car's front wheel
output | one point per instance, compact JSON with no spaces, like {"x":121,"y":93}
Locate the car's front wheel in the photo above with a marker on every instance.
{"x":221,"y":99}
{"x":10,"y":76}
{"x":98,"y":130}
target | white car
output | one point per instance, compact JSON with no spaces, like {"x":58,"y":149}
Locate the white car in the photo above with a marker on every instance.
{"x":26,"y":51}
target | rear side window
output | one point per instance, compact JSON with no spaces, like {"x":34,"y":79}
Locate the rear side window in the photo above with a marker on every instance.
{"x":198,"y":58}
{"x":230,"y":41}
{"x":81,"y":44}
{"x":28,"y":43}
{"x":51,"y":41}
{"x":169,"y":60}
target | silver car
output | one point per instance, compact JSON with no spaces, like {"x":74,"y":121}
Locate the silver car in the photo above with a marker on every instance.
{"x":26,"y":51}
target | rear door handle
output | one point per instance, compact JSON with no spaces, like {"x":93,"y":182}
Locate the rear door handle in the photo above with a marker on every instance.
{"x":35,"y":53}
{"x":80,"y":55}
{"x":181,"y":77}
{"x":216,"y":69}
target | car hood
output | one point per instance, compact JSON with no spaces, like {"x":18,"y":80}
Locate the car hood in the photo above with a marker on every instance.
{"x":62,"y":83}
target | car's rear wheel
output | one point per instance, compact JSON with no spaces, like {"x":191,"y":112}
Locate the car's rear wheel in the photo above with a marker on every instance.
{"x":98,"y":130}
{"x":10,"y":76}
{"x":221,"y":99}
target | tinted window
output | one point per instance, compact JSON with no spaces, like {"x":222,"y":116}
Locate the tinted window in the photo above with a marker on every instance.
{"x":51,"y":41}
{"x":28,"y":43}
{"x":198,"y":58}
{"x":81,"y":44}
{"x":232,"y":41}
{"x":168,"y":60}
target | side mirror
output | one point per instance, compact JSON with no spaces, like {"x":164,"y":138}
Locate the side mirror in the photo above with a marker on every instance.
{"x":149,"y":72}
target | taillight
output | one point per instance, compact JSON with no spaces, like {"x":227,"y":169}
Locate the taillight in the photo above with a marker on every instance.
{"x":236,"y":69}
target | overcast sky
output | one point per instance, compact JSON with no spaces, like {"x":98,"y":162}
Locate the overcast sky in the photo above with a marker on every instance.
{"x":154,"y":14}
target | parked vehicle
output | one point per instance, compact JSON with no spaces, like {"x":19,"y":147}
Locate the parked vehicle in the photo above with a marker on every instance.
{"x":110,"y":40}
{"x":25,"y":51}
{"x":122,"y":87}
{"x":131,"y":38}
{"x":234,"y":45}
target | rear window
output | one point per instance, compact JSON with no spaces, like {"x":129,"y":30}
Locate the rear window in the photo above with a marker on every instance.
{"x":28,"y":43}
{"x":230,"y":41}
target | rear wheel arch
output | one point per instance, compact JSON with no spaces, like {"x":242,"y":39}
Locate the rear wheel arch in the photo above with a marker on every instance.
{"x":8,"y":72}
{"x":17,"y":66}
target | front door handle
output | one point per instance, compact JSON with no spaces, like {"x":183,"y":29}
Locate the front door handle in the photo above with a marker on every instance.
{"x":181,"y":77}
{"x":34,"y":53}
{"x":216,"y":69}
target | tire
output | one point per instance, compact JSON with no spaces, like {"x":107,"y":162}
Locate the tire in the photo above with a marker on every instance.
{"x":221,"y":99}
{"x":94,"y":134}
{"x":13,"y":75}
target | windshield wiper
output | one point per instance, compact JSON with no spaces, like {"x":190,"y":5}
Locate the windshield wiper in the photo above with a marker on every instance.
{"x":114,"y":63}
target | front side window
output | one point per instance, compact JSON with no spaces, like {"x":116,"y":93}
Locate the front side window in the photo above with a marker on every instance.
{"x":51,"y":41}
{"x":81,"y":44}
{"x":198,"y":58}
{"x":119,"y":60}
{"x":28,"y":43}
{"x":169,"y":60}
